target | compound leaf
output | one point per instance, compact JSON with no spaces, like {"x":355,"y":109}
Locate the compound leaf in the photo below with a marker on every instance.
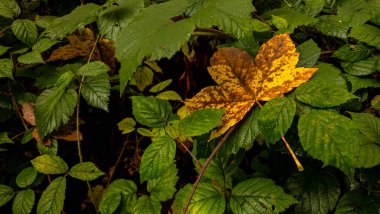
{"x":23,"y":202}
{"x":157,"y":158}
{"x":259,"y":195}
{"x":85,"y":171}
{"x":53,"y":197}
{"x":49,"y":164}
{"x":243,"y":81}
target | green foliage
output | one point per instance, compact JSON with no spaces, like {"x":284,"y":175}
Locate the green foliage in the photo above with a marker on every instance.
{"x":26,"y":177}
{"x":147,"y":205}
{"x":163,"y":188}
{"x":23,"y":202}
{"x":6,"y":67}
{"x":49,"y":164}
{"x":6,"y":194}
{"x":52,"y":198}
{"x":9,"y":9}
{"x":96,"y":91}
{"x":25,"y":30}
{"x":85,"y":171}
{"x":309,"y":53}
{"x":150,"y":111}
{"x":200,"y":122}
{"x":120,"y":197}
{"x":352,"y":53}
{"x":359,"y":201}
{"x":366,"y":33}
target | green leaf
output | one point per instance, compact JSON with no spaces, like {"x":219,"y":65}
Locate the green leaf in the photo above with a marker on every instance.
{"x":221,"y":170}
{"x":367,"y":34}
{"x":85,"y":171}
{"x":359,"y":201}
{"x":358,"y":83}
{"x":53,"y":197}
{"x":323,"y":95}
{"x":259,"y":195}
{"x":317,"y":191}
{"x":375,"y":102}
{"x":276,"y":117}
{"x":3,"y":49}
{"x":9,"y":8}
{"x":259,"y":26}
{"x":308,"y":7}
{"x":25,"y":31}
{"x":96,"y":91}
{"x":147,"y":205}
{"x":44,"y":44}
{"x":231,"y":16}
{"x":152,"y":35}
{"x":353,"y":12}
{"x":23,"y":202}
{"x":331,"y":138}
{"x":360,"y":68}
{"x":6,"y":67}
{"x":245,"y":133}
{"x":293,"y":18}
{"x":51,"y":149}
{"x":55,"y":106}
{"x":352,"y":53}
{"x":331,"y":25}
{"x":160,"y":86}
{"x":6,"y":194}
{"x":44,"y":21}
{"x":157,"y":158}
{"x":116,"y":17}
{"x":93,"y":69}
{"x":368,"y":124}
{"x":120,"y":197}
{"x":32,"y":57}
{"x":26,"y":177}
{"x":279,"y":22}
{"x":329,"y":74}
{"x":200,"y":122}
{"x":142,"y":78}
{"x":150,"y":111}
{"x":49,"y":164}
{"x":374,"y":7}
{"x":78,"y":18}
{"x":207,"y":199}
{"x":309,"y":53}
{"x":127,"y":125}
{"x":4,"y":138}
{"x":169,"y":95}
{"x":164,"y":187}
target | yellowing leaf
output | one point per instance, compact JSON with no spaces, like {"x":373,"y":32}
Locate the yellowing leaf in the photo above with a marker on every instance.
{"x":243,"y":81}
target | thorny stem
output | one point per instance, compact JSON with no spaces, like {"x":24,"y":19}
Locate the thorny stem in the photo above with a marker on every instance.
{"x":213,"y":153}
{"x":296,"y":161}
{"x":77,"y":124}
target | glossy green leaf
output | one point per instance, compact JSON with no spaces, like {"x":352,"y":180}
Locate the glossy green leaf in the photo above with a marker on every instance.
{"x":93,"y":69}
{"x":259,"y":195}
{"x":276,"y":117}
{"x":55,"y":106}
{"x":25,"y":31}
{"x":26,"y":177}
{"x":360,"y":68}
{"x":353,"y":12}
{"x":6,"y":194}
{"x":323,"y":95}
{"x":358,"y":83}
{"x":152,"y":35}
{"x":150,"y":111}
{"x":331,"y":138}
{"x":147,"y":205}
{"x":231,"y":16}
{"x":120,"y":197}
{"x":359,"y":201}
{"x":78,"y":18}
{"x":293,"y":18}
{"x":116,"y":17}
{"x":317,"y":191}
{"x":23,"y":202}
{"x":329,"y":74}
{"x":32,"y":57}
{"x":309,"y":53}
{"x":44,"y":44}
{"x":352,"y":53}
{"x":85,"y":171}
{"x":49,"y":164}
{"x":53,"y":197}
{"x":331,"y":25}
{"x":164,"y":187}
{"x":157,"y":158}
{"x":160,"y":86}
{"x":127,"y":125}
{"x":169,"y":95}
{"x":142,"y":78}
{"x":96,"y":91}
{"x":366,"y":33}
{"x":200,"y":122}
{"x":245,"y":133}
{"x":6,"y":67}
{"x":9,"y":8}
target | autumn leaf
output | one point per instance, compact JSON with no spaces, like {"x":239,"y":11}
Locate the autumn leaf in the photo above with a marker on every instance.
{"x":243,"y":81}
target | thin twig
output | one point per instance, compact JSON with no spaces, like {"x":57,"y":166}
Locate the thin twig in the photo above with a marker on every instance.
{"x":195,"y":185}
{"x":117,"y":162}
{"x":191,"y":154}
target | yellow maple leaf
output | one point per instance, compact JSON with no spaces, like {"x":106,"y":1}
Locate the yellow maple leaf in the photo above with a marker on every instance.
{"x":243,"y":81}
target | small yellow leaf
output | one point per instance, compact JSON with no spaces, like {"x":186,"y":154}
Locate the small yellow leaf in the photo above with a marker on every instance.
{"x":243,"y":81}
